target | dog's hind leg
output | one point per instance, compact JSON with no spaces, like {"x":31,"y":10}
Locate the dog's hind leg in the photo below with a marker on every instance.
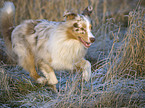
{"x":27,"y":62}
{"x":49,"y":74}
{"x":26,"y":58}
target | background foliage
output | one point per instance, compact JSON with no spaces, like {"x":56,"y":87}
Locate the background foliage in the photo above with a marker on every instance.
{"x":117,"y":58}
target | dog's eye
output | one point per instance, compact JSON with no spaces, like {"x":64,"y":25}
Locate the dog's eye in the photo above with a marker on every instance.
{"x":82,"y":29}
{"x":76,"y":25}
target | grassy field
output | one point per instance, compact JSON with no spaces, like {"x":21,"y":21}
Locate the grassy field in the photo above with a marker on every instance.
{"x":117,"y":58}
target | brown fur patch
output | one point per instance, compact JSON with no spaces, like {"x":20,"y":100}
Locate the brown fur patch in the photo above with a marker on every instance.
{"x":84,"y":26}
{"x":73,"y":35}
{"x":30,"y":27}
{"x":6,"y":27}
{"x":28,"y":64}
{"x":70,"y":16}
{"x":70,"y":33}
{"x":84,"y":37}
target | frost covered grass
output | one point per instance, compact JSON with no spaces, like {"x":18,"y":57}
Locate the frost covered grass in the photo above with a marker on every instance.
{"x":117,"y":57}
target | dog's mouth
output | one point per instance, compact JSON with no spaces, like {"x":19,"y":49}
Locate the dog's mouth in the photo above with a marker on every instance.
{"x":86,"y":44}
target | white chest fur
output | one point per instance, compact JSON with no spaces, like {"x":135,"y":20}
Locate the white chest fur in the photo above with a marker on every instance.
{"x":65,"y":53}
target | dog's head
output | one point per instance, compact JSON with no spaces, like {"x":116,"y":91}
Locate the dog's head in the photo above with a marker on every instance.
{"x":80,"y":26}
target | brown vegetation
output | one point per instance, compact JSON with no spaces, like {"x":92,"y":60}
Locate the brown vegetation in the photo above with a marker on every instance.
{"x":118,"y":58}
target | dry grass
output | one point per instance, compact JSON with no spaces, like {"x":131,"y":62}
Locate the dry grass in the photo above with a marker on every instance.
{"x":53,"y":10}
{"x":130,"y":58}
{"x":118,"y":58}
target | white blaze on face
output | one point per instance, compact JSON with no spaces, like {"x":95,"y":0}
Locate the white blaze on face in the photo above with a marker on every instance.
{"x":90,"y":35}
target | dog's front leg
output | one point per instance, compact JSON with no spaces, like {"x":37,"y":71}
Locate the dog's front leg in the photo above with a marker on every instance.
{"x":85,"y":66}
{"x":49,"y":74}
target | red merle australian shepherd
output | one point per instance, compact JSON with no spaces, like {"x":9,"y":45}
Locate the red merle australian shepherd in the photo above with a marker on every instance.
{"x":47,"y":44}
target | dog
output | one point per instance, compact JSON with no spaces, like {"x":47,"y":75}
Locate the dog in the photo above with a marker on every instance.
{"x":47,"y":44}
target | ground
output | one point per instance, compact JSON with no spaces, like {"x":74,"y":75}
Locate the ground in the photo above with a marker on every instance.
{"x":117,"y":58}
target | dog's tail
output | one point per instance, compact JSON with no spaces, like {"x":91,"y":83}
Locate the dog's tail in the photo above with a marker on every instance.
{"x":7,"y":14}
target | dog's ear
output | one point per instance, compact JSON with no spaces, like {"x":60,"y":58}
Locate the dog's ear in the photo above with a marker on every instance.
{"x":69,"y":15}
{"x":87,"y":11}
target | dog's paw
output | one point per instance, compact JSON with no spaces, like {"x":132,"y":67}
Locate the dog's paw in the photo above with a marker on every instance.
{"x":87,"y":72}
{"x":52,"y":80}
{"x":87,"y":75}
{"x":41,"y":80}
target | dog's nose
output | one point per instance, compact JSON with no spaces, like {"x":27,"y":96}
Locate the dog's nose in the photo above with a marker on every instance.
{"x":92,"y":39}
